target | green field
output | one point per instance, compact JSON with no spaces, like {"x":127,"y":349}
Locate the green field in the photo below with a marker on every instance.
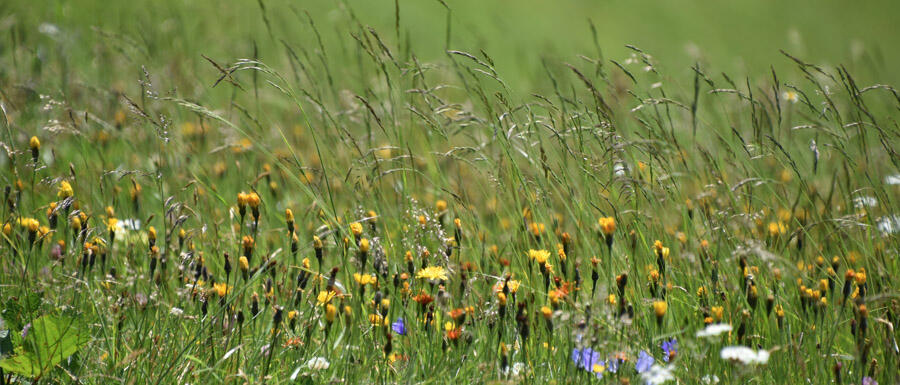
{"x":346,"y":192}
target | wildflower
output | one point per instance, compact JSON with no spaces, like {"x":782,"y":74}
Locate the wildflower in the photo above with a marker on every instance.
{"x":356,"y":229}
{"x":714,"y":330}
{"x":659,"y":308}
{"x":513,"y":286}
{"x":325,"y":297}
{"x":607,"y":227}
{"x":657,"y":375}
{"x":330,"y":313}
{"x":221,"y":289}
{"x":539,"y":256}
{"x":35,"y":145}
{"x":644,"y":362}
{"x":424,"y":299}
{"x":790,"y":96}
{"x":65,"y":190}
{"x":399,"y":326}
{"x":744,"y":355}
{"x":670,"y":348}
{"x":365,"y":279}
{"x":318,"y":363}
{"x":589,"y":360}
{"x":433,"y":273}
{"x":289,"y":220}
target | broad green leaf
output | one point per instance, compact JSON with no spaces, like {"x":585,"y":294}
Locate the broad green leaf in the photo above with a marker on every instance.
{"x":50,"y":340}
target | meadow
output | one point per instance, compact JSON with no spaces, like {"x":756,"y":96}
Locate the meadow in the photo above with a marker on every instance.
{"x":353,"y":192}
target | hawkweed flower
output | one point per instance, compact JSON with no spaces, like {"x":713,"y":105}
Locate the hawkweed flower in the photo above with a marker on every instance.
{"x":254,"y":201}
{"x":35,"y":145}
{"x":501,"y":305}
{"x":662,"y":254}
{"x":318,"y":248}
{"x":289,"y":220}
{"x":242,"y":199}
{"x":363,"y":280}
{"x":64,"y":190}
{"x":244,"y":265}
{"x":356,"y":229}
{"x":295,"y":244}
{"x":248,"y":243}
{"x":363,"y":251}
{"x":608,"y":227}
{"x":151,"y":235}
{"x":433,"y":274}
{"x":330,"y":314}
{"x":595,"y":275}
{"x":547,"y":313}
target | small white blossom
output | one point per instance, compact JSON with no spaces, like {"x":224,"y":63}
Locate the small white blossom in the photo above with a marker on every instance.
{"x":657,"y":375}
{"x":892,"y":179}
{"x":744,"y":355}
{"x":176,"y":312}
{"x":713,"y":330}
{"x":317,"y":363}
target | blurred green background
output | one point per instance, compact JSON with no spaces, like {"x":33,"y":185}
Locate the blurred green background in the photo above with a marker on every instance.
{"x":737,"y":37}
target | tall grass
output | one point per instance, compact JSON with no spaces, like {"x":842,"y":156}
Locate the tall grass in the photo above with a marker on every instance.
{"x":757,"y":186}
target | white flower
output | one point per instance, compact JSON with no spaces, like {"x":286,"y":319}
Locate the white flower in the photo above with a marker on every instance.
{"x":516,"y":370}
{"x":657,"y":375}
{"x":317,"y":363}
{"x":710,"y":379}
{"x":713,"y":330}
{"x":892,"y":179}
{"x":619,"y":169}
{"x":176,"y":312}
{"x":790,"y":96}
{"x":744,"y":355}
{"x":865,"y":201}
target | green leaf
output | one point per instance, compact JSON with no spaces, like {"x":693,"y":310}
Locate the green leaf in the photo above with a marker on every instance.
{"x":50,"y":340}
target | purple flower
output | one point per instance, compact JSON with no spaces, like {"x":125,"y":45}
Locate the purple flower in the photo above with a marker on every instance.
{"x":670,"y":348}
{"x":399,"y":326}
{"x":869,"y":381}
{"x":644,"y":362}
{"x":587,"y":359}
{"x":612,"y":365}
